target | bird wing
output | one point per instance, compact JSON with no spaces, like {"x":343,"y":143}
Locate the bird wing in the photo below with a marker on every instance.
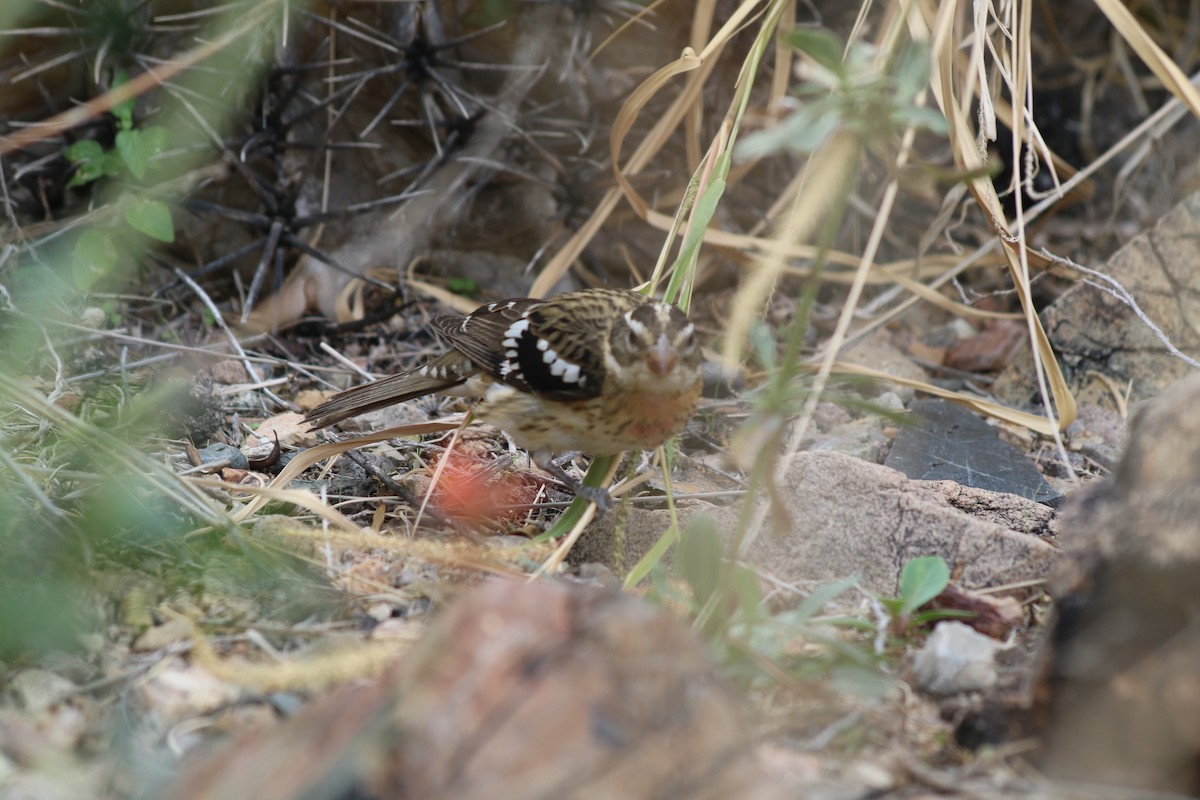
{"x":553,"y":348}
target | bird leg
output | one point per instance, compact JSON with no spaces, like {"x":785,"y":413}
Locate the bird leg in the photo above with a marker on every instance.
{"x":593,"y":494}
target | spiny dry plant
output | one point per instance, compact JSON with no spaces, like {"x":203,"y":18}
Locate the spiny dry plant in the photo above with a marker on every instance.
{"x":210,"y":210}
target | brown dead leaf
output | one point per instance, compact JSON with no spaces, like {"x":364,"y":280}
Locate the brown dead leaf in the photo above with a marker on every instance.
{"x":993,"y":616}
{"x":291,"y":428}
{"x":991,"y":349}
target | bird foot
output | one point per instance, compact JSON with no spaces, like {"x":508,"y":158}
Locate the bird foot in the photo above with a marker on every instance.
{"x":593,"y":494}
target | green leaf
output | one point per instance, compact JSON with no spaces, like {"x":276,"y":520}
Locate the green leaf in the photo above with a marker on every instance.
{"x":653,"y":556}
{"x":912,"y":73}
{"x":83,"y":151}
{"x":133,"y":148}
{"x":921,"y":580}
{"x":745,"y":586}
{"x":95,"y":256}
{"x":92,"y":163}
{"x":812,"y":604}
{"x":705,"y":207}
{"x":86,"y":174}
{"x":464,"y":286}
{"x":698,"y":557}
{"x":926,"y":617}
{"x":152,"y":218}
{"x":803,"y":132}
{"x":762,"y":340}
{"x":929,"y":119}
{"x":821,"y":44}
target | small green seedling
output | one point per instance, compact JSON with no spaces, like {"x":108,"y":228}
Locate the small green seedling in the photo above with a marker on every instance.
{"x":921,"y":580}
{"x":98,"y":249}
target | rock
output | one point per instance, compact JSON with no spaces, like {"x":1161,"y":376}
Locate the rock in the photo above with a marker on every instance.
{"x":1124,"y":686}
{"x":37,"y":690}
{"x":516,"y":691}
{"x":719,"y":382}
{"x":955,"y":658}
{"x":862,"y":438}
{"x":226,"y":454}
{"x":229,"y":372}
{"x":855,"y":518}
{"x":1094,"y":331}
{"x":945,"y":441}
{"x":850,"y":517}
{"x":877,"y":352}
{"x":1098,"y":433}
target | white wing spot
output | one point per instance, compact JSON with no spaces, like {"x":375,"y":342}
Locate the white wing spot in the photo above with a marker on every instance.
{"x":543,"y":345}
{"x":511,"y":353}
{"x":561,"y":368}
{"x":517,"y":329}
{"x":423,"y":371}
{"x":571,"y":374}
{"x":551,"y":358}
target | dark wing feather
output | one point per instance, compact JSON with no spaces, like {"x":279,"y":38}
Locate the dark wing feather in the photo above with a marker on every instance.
{"x":553,"y":348}
{"x":480,"y":335}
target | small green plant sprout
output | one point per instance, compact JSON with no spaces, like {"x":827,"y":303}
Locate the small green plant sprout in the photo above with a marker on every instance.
{"x":99,"y":248}
{"x":757,"y":644}
{"x":133,"y":148}
{"x":921,"y":580}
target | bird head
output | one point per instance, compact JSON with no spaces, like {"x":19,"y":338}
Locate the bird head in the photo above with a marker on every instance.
{"x":653,"y":347}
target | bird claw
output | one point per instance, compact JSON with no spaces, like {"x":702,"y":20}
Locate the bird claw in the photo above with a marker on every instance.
{"x":594,"y":494}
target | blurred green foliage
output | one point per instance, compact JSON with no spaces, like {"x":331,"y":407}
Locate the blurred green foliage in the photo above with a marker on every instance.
{"x":89,"y":502}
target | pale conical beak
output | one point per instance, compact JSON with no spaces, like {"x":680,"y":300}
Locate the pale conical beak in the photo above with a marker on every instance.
{"x":662,"y":358}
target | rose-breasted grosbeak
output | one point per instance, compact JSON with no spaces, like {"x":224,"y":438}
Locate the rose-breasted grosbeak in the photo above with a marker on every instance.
{"x":598,"y":370}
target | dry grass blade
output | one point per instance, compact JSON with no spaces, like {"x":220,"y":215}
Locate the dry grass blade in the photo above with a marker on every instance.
{"x":653,"y":142}
{"x":345,"y":533}
{"x":1033,"y":422}
{"x":362,"y":660}
{"x":122,"y":458}
{"x":1151,"y":54}
{"x":315,"y":455}
{"x":825,"y":174}
{"x":967,"y":156}
{"x":629,"y":112}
